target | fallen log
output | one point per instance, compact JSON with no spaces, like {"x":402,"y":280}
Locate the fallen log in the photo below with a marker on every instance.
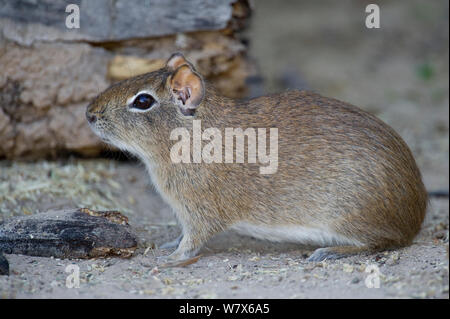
{"x":79,"y":233}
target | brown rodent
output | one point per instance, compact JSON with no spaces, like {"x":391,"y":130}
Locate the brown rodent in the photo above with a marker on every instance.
{"x":345,"y":180}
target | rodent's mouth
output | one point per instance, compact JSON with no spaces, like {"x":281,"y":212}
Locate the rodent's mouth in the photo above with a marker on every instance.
{"x":100,"y":133}
{"x":107,"y":138}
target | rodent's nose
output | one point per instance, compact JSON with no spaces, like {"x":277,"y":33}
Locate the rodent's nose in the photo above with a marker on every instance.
{"x":91,"y":118}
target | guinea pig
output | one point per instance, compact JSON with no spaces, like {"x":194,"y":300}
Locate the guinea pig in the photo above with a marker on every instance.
{"x":314,"y":170}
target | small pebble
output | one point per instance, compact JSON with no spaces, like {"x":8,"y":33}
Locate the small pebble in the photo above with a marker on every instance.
{"x":348,"y":268}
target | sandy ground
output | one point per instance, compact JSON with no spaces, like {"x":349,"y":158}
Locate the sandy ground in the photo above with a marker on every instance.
{"x":232,"y":266}
{"x":399,"y":72}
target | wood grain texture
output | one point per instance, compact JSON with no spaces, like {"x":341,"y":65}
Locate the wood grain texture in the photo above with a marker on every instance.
{"x":78,"y":233}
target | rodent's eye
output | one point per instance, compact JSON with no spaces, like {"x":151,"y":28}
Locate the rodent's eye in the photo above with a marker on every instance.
{"x":143,"y":102}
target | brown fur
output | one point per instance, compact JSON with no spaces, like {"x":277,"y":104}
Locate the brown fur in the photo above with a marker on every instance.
{"x":339,"y":167}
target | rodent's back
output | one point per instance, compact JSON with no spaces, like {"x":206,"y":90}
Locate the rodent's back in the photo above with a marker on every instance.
{"x":337,"y":163}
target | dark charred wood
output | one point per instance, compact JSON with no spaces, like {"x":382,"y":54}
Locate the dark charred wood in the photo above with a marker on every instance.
{"x":80,"y":233}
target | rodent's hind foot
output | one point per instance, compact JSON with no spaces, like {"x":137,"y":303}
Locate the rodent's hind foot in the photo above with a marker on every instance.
{"x":330,"y":253}
{"x":322,"y":254}
{"x":184,"y":251}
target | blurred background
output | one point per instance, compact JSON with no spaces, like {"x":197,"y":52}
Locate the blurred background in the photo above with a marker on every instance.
{"x":398,"y":72}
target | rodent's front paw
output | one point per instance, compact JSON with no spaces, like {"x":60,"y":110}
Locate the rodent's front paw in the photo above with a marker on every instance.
{"x":177,"y":259}
{"x":172,"y":244}
{"x":179,"y":254}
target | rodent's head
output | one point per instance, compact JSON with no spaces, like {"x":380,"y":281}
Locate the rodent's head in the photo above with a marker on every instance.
{"x":134,"y":114}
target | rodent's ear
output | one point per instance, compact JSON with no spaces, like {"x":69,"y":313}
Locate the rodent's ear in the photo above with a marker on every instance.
{"x":188,"y":88}
{"x":176,"y":60}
